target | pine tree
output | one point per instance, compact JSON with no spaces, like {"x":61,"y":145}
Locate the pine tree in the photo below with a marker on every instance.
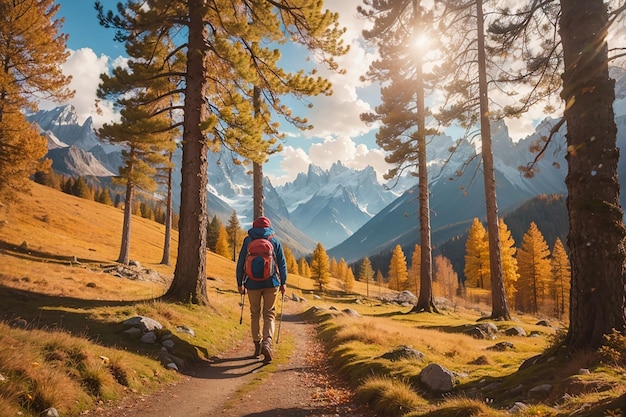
{"x":561,"y":278}
{"x":398,"y":273}
{"x":81,"y":189}
{"x":402,"y":114}
{"x":222,"y":61}
{"x":464,"y":74}
{"x":213,"y":231}
{"x":320,"y":267}
{"x":31,"y":52}
{"x":534,"y":271}
{"x":477,"y":256}
{"x":366,"y":274}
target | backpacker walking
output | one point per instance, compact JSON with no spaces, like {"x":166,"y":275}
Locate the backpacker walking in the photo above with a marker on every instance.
{"x":262,"y":273}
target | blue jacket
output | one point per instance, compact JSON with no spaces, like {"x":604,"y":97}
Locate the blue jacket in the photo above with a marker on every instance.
{"x":275,"y":280}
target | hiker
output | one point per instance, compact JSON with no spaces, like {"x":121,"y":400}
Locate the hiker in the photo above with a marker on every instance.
{"x":262,"y":275}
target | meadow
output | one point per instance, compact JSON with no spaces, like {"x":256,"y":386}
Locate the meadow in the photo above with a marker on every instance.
{"x":63,"y":299}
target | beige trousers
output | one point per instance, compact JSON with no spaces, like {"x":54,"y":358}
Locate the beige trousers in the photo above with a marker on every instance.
{"x":262,"y":299}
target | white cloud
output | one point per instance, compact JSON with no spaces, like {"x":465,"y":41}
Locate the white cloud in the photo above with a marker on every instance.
{"x":85,"y":68}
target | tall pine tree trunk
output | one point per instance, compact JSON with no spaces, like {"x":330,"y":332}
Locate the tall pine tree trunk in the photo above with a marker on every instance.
{"x":124,"y":256}
{"x":425,"y":300}
{"x":499,"y":307}
{"x":257,"y":168}
{"x":165,"y":260}
{"x":596,"y":228}
{"x":189,"y":283}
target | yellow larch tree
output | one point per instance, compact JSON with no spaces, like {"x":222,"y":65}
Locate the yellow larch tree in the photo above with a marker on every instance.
{"x":366,"y":274}
{"x":476,"y":270}
{"x":221,"y":246}
{"x":31,"y":53}
{"x":533,"y":261}
{"x":446,"y":279}
{"x":320,"y":267}
{"x":413,"y":284}
{"x":398,"y":272}
{"x":509,"y":262}
{"x":561,"y":277}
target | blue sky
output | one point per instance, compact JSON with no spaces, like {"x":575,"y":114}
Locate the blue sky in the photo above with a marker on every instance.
{"x":338,"y":134}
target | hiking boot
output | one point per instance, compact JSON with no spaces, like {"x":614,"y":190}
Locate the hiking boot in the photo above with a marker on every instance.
{"x":257,"y":348}
{"x":266,"y":351}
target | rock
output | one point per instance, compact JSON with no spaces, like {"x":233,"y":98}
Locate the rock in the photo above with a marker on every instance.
{"x":168,"y":343}
{"x":50,"y":412}
{"x":543,"y":323}
{"x":437,"y":379}
{"x":501,"y":346}
{"x":145,"y":324}
{"x":185,"y":329}
{"x":476,"y":333}
{"x":488,"y":328}
{"x":316,"y":297}
{"x":149,"y":338}
{"x":133,"y":331}
{"x":518,"y":407}
{"x":515,"y":331}
{"x":403,"y":352}
{"x":351,"y":312}
{"x":539,"y":392}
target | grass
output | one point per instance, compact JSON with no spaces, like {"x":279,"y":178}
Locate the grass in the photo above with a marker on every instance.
{"x":61,"y":305}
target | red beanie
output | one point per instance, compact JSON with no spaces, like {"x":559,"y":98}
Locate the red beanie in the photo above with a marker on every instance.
{"x":261,"y":222}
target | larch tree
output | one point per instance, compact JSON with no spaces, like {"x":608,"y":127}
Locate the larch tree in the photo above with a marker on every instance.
{"x":476,"y":268}
{"x":561,"y":279}
{"x":533,"y":261}
{"x":398,"y":273}
{"x":366,"y":274}
{"x":397,"y":28}
{"x":31,"y":53}
{"x":303,"y":268}
{"x":320,"y":267}
{"x":509,"y":261}
{"x":222,"y":247}
{"x":446,"y":277}
{"x":415,"y":270}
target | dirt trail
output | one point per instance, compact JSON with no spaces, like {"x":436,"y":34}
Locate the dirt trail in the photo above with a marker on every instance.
{"x":304,"y":386}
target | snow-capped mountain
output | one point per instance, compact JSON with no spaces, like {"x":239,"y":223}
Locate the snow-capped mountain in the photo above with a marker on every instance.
{"x":348,"y":210}
{"x":331,"y":205}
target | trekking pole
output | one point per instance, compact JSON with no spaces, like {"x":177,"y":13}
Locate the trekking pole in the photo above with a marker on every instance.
{"x":282,"y":307}
{"x":243,"y":301}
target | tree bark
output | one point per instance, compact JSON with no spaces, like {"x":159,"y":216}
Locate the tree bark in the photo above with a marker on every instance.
{"x":596,"y":227}
{"x":499,"y":306}
{"x":189,"y":283}
{"x":425,"y":300}
{"x":257,"y":168}
{"x":165,"y":260}
{"x":124,"y":257}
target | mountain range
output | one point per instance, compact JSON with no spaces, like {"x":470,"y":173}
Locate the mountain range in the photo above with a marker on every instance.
{"x":348,"y":210}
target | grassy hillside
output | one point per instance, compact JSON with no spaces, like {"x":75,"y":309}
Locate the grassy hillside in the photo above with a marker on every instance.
{"x":63,"y":298}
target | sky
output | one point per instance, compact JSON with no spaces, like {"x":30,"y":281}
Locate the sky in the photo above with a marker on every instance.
{"x":338,"y":133}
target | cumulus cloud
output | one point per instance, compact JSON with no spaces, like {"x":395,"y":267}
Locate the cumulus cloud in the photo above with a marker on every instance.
{"x":85,"y":68}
